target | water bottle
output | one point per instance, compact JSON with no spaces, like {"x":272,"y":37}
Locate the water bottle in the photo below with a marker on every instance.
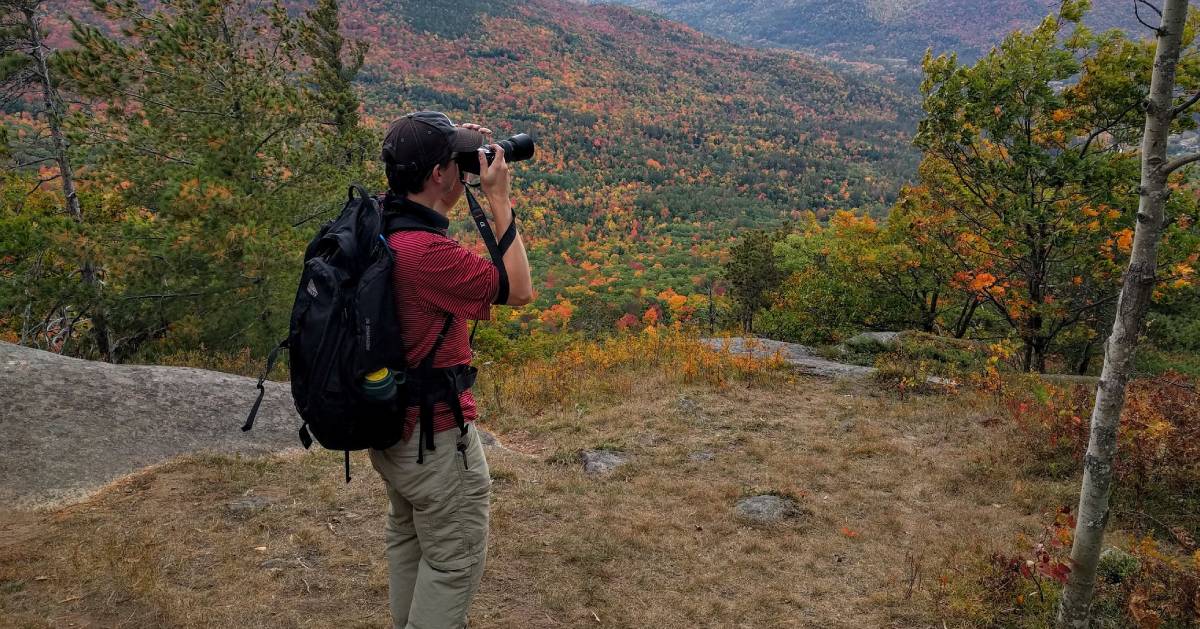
{"x":380,"y":385}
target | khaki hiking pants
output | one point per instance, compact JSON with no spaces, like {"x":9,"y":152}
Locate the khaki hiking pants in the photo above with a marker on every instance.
{"x":437,"y":528}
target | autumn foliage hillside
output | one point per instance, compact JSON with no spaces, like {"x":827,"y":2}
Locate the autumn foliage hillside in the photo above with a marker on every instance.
{"x":655,"y":143}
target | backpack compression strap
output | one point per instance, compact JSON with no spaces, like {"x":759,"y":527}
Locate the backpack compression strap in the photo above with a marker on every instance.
{"x":495,"y":249}
{"x":262,"y":391}
{"x":425,"y":412}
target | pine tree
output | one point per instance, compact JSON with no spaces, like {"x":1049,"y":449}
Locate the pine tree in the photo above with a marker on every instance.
{"x":28,"y":79}
{"x":223,"y":124}
{"x":335,"y":64}
{"x":753,"y":273}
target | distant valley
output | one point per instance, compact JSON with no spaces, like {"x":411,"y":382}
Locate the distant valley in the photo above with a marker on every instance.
{"x":878,"y":35}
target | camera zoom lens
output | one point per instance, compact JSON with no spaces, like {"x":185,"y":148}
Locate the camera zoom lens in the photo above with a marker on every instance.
{"x":517,"y":148}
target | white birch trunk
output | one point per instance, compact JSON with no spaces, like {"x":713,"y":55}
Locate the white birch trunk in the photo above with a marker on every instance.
{"x":1074,"y":608}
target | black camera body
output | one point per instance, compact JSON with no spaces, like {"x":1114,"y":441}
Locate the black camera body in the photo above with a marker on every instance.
{"x":517,"y":148}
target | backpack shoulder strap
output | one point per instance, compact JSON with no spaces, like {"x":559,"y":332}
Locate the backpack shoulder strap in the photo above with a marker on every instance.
{"x":425,"y":412}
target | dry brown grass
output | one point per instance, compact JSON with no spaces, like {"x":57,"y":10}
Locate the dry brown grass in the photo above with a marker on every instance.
{"x":902,"y":495}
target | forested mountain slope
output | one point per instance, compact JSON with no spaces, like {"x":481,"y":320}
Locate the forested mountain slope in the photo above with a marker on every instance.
{"x":655,"y":142}
{"x":875,"y":30}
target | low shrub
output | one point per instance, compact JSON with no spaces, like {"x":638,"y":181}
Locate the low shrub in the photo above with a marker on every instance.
{"x":1159,"y":438}
{"x":600,"y":369}
{"x":1143,"y":586}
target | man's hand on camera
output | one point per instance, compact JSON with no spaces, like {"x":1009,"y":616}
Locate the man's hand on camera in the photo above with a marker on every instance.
{"x":494,"y":178}
{"x":487,"y":133}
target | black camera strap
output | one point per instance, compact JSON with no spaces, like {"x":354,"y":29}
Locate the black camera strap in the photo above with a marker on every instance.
{"x":495,"y":249}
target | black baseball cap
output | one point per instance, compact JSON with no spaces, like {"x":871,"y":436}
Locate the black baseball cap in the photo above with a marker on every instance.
{"x":422,"y":139}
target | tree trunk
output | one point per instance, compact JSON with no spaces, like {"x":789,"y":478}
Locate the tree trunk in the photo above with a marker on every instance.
{"x":1136,"y":291}
{"x":712,"y":310}
{"x":965,"y":316}
{"x":54,"y":116}
{"x":929,"y":316}
{"x":1085,"y":358}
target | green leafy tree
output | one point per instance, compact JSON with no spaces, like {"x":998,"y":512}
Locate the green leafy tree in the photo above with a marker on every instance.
{"x":1023,"y":156}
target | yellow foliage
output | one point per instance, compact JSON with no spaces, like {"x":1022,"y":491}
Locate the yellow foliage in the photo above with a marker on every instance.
{"x":1125,"y":240}
{"x":605,"y":367}
{"x":982,"y":281}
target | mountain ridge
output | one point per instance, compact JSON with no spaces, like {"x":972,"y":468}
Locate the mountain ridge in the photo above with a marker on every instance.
{"x":876,"y":30}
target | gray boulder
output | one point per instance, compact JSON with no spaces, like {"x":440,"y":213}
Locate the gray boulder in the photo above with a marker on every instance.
{"x":488,"y":439}
{"x":800,"y":357}
{"x":73,"y":425}
{"x":602,"y":462}
{"x":769,"y":509}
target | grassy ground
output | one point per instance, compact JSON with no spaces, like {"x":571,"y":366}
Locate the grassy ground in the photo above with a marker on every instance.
{"x":901,"y":497}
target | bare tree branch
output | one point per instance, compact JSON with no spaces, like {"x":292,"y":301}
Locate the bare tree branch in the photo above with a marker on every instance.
{"x":34,"y":162}
{"x":1185,"y":105}
{"x":41,"y":182}
{"x":1179,"y":162}
{"x":1157,"y":30}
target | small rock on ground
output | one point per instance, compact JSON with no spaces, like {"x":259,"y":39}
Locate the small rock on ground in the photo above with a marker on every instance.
{"x":687,"y":405}
{"x":249,"y":503}
{"x":601,"y":462}
{"x":768,"y":509}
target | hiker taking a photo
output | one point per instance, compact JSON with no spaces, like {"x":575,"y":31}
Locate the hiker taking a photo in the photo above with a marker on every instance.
{"x":438,"y":484}
{"x":380,"y":355}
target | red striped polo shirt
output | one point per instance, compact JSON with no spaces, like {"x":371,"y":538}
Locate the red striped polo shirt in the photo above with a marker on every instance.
{"x":434,"y":276}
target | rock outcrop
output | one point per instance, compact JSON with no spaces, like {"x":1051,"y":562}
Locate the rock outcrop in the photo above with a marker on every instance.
{"x":769,"y":509}
{"x":801,"y":357}
{"x":72,"y":425}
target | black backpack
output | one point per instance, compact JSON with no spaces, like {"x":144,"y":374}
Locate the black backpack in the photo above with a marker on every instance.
{"x":344,"y":325}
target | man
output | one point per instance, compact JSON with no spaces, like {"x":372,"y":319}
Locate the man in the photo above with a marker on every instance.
{"x":437,"y":523}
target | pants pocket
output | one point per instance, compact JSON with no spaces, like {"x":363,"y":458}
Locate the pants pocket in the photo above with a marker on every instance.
{"x":452,"y":521}
{"x":476,"y":488}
